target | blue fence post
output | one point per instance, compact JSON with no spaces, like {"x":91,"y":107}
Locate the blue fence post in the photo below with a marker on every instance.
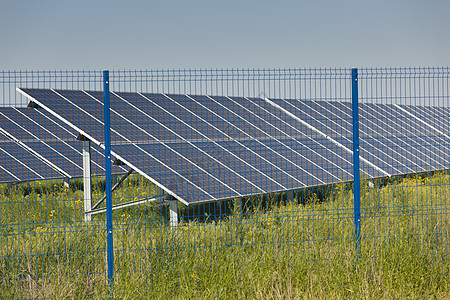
{"x":109,"y":227}
{"x":356,"y":180}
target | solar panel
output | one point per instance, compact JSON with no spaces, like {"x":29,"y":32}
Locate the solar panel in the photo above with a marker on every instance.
{"x":197,"y":154}
{"x":16,"y":163}
{"x":334,"y":121}
{"x":203,"y":148}
{"x":42,"y":136}
{"x":389,"y":139}
{"x":183,"y":108}
{"x":180,"y":157}
{"x":437,"y":118}
{"x":412,"y":143}
{"x":207,"y":132}
{"x":67,"y":135}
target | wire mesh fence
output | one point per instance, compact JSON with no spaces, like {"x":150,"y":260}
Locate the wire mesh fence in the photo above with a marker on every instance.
{"x":214,"y":172}
{"x":405,"y":115}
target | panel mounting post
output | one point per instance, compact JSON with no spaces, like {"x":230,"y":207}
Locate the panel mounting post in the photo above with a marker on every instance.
{"x":173,"y":207}
{"x":356,"y":179}
{"x":87,"y":179}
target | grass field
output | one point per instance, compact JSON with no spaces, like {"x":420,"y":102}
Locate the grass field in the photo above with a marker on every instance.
{"x":271,"y":249}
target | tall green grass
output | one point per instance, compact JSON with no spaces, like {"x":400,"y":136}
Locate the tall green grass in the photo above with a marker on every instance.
{"x":271,"y":249}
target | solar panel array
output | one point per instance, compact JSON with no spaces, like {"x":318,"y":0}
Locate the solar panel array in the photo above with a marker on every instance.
{"x":203,"y":148}
{"x":17,"y":164}
{"x":391,"y":139}
{"x":36,"y":145}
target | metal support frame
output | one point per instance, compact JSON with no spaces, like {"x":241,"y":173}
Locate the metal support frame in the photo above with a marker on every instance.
{"x":122,"y":205}
{"x":356,"y":177}
{"x":173,"y":207}
{"x":87,"y":179}
{"x":161,"y":203}
{"x":113,"y":188}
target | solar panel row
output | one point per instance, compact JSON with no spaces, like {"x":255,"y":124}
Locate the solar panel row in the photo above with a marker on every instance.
{"x":389,"y":138}
{"x":35,"y":145}
{"x":202,"y":148}
{"x":17,"y":164}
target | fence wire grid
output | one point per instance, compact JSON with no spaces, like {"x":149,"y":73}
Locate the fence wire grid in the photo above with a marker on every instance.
{"x":214,"y":169}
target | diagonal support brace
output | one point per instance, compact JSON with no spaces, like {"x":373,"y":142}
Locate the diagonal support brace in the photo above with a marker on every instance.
{"x":113,"y":188}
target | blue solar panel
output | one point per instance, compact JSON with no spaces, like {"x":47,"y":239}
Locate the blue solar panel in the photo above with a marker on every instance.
{"x":69,"y":136}
{"x":261,"y":125}
{"x":438,"y":118}
{"x":203,"y":148}
{"x":185,"y":186}
{"x":62,"y":106}
{"x":18,"y":164}
{"x":331,"y":118}
{"x":389,"y":139}
{"x":169,"y":122}
{"x":48,"y":137}
{"x":411,"y":143}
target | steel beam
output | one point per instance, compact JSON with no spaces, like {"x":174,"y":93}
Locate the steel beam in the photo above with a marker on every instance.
{"x":87,"y":179}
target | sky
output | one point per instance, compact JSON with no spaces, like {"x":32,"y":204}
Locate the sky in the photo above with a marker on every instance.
{"x":85,"y":35}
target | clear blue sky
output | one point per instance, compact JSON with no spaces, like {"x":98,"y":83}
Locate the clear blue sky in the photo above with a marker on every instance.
{"x":162,"y":34}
